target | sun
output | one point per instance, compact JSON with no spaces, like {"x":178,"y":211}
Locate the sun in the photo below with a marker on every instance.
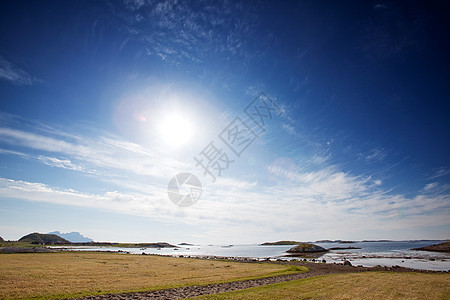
{"x":175,"y":129}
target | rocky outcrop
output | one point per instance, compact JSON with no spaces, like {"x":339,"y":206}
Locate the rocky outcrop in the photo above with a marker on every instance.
{"x":442,"y":247}
{"x":306,"y":248}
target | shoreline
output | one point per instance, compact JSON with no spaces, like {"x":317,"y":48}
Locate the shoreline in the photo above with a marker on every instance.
{"x":381,"y":261}
{"x":314,"y":270}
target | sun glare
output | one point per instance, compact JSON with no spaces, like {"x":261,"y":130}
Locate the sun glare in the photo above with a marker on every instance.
{"x":175,"y":129}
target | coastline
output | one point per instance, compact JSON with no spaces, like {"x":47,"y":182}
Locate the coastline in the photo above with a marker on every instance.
{"x":115,"y":265}
{"x":366,"y":254}
{"x":420,"y":260}
{"x":314,"y":270}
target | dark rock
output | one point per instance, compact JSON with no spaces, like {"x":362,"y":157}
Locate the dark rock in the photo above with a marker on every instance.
{"x":343,"y":248}
{"x":347,"y":263}
{"x":306,"y":248}
{"x":442,"y":247}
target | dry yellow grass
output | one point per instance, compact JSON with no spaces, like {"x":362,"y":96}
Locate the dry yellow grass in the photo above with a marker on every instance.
{"x":70,"y":274}
{"x":365,"y":285}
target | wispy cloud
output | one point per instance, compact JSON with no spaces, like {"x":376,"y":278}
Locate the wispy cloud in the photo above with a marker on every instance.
{"x":376,"y":154}
{"x":441,"y":172}
{"x":60,"y":163}
{"x":327,"y":202}
{"x":136,"y":204}
{"x":186,"y":33}
{"x":12,"y":152}
{"x":288,"y":201}
{"x":15,"y":74}
{"x":316,"y":204}
{"x":100,"y":152}
{"x":288,"y":128}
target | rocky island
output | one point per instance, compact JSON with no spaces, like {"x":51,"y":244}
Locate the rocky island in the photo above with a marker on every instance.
{"x":306,"y":248}
{"x":442,"y":247}
{"x":283,"y":243}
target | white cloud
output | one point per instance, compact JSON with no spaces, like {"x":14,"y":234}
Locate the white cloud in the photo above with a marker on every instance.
{"x":441,"y":172}
{"x":322,"y":203}
{"x":134,"y":4}
{"x":60,"y":163}
{"x":288,"y":128}
{"x":150,"y":205}
{"x":377,"y":182}
{"x":293,"y":203}
{"x":187,"y":33}
{"x":12,"y":152}
{"x":16,"y":75}
{"x":99,"y":153}
{"x":430,"y":186}
{"x":376,"y":154}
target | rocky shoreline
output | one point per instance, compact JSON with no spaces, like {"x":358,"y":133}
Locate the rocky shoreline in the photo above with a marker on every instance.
{"x":10,"y":250}
{"x":442,"y":247}
{"x":315,"y":269}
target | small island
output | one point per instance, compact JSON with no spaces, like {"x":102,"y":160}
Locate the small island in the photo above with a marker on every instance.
{"x":283,"y":243}
{"x":306,"y":248}
{"x":442,"y":247}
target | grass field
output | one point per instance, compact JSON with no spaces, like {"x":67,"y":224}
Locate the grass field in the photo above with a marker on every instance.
{"x":72,"y":274}
{"x":364,"y":285}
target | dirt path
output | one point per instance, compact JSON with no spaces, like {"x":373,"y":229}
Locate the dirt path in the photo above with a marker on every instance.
{"x":315,"y":269}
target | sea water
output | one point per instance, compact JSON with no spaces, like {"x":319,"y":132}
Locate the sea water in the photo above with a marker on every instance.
{"x":383,"y":253}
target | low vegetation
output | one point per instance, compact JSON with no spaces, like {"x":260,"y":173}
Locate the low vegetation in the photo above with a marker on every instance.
{"x":442,"y":247}
{"x":74,"y":274}
{"x":365,"y":285}
{"x":44,"y":239}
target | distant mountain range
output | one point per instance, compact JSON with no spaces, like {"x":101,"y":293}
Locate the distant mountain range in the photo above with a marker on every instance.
{"x":74,"y":237}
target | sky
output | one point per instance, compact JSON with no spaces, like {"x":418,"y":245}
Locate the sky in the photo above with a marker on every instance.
{"x":291,"y":120}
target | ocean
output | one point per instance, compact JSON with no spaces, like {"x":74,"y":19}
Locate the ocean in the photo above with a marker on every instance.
{"x":383,"y":253}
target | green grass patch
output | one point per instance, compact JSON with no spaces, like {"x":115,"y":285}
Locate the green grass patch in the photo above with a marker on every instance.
{"x":364,"y":285}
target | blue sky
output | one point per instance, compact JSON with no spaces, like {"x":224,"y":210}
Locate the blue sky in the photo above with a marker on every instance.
{"x":102,"y":103}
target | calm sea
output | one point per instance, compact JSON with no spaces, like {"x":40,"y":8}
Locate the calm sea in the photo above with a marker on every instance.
{"x":371,"y":253}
